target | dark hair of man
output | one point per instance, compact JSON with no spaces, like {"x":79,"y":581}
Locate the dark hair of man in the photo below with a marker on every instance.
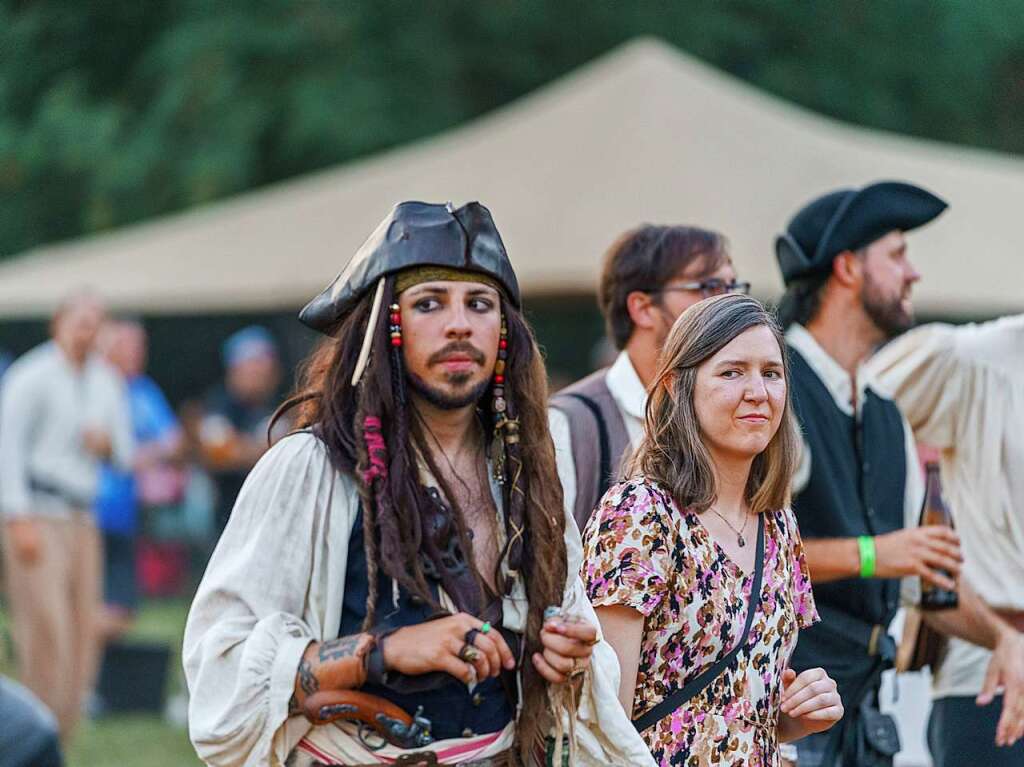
{"x":802,"y":300}
{"x":393,"y":498}
{"x":645,"y":259}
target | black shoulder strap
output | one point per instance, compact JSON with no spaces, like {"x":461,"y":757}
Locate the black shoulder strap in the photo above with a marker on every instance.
{"x":679,"y":697}
{"x":604,"y":443}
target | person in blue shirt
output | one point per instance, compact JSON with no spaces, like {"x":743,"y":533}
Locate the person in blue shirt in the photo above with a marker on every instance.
{"x":237,"y":413}
{"x":152,"y":481}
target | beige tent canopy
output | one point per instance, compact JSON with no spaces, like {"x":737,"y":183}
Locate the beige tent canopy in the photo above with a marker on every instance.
{"x":643,"y":134}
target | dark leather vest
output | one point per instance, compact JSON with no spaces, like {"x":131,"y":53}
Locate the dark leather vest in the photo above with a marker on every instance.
{"x":598,"y":438}
{"x":453,"y":710}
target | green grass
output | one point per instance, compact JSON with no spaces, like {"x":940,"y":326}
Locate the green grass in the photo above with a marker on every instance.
{"x":131,"y":741}
{"x":135,"y":740}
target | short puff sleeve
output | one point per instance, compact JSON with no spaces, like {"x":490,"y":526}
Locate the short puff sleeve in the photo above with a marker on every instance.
{"x":627,"y":547}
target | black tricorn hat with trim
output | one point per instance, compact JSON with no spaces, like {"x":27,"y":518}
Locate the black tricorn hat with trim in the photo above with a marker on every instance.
{"x":849,"y":219}
{"x":416,"y":234}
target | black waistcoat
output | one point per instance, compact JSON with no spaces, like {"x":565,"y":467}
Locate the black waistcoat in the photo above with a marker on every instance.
{"x":856,"y":487}
{"x":452,"y":709}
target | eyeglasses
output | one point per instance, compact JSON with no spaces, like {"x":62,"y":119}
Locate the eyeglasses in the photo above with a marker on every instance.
{"x":707,"y":288}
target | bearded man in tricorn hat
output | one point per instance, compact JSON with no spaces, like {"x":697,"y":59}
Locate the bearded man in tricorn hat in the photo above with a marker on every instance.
{"x":859,"y":491}
{"x":398,"y":580}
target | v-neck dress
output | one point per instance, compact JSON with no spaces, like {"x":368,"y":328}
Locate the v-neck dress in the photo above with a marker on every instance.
{"x":642,"y":551}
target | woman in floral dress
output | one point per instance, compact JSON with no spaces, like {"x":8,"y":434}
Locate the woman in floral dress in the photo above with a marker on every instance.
{"x":669,"y":557}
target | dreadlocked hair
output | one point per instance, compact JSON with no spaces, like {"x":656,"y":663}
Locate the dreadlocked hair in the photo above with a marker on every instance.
{"x":534,"y":513}
{"x":374,"y":434}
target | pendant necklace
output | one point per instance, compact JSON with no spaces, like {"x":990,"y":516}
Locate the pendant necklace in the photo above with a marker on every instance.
{"x":739,"y":533}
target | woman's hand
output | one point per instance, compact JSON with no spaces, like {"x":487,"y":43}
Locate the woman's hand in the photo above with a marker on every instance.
{"x":810,"y":703}
{"x":440,"y":645}
{"x":568,"y":644}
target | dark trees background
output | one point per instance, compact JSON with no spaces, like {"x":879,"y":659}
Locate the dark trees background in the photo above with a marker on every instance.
{"x":114,"y":111}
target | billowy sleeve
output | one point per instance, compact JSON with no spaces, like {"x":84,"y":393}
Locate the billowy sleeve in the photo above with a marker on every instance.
{"x":934,"y":372}
{"x":605,"y":736}
{"x":252,"y":617}
{"x":921,"y":372}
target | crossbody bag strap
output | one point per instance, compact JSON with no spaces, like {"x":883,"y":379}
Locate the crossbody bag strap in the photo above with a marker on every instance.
{"x":698,"y":684}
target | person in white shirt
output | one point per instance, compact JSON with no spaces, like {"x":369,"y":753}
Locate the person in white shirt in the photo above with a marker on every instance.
{"x":62,"y":411}
{"x":962,"y":390}
{"x":843,"y":257}
{"x":651,"y":274}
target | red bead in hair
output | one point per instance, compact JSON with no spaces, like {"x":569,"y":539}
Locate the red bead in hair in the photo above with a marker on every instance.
{"x":499,"y":379}
{"x":503,"y":344}
{"x":396,"y":341}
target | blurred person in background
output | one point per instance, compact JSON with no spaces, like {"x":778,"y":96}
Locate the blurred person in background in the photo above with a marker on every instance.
{"x":28,"y":730}
{"x":6,"y":358}
{"x":962,"y":390}
{"x":233,"y":433}
{"x":63,"y":412}
{"x":859,"y":491}
{"x":153,"y":480}
{"x":651,"y":274}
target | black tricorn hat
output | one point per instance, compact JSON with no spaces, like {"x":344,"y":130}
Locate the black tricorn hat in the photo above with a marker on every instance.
{"x":416,"y":234}
{"x":848,"y":219}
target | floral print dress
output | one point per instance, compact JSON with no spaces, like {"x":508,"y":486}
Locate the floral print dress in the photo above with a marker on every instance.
{"x":642,"y":551}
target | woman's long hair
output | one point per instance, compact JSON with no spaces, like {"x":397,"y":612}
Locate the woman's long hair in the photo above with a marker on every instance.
{"x":672,"y":451}
{"x":373,"y":433}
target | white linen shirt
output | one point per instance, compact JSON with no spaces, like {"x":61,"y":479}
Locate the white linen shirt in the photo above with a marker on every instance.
{"x":45,"y":405}
{"x":962,"y":389}
{"x":629,"y":394}
{"x":275,"y":583}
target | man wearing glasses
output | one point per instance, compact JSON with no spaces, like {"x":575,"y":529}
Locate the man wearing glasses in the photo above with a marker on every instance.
{"x":651,"y":274}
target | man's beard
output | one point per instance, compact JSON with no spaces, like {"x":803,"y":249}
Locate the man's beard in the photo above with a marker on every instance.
{"x":887,"y":313}
{"x":444,"y":400}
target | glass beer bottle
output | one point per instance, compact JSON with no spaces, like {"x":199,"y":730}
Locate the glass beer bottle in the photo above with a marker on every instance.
{"x":935,"y":512}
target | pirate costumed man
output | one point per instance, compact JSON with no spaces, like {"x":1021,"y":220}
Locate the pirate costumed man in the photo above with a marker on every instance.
{"x":398,"y":583}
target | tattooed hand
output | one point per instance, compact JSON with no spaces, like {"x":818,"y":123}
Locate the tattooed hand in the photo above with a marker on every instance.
{"x":337,"y":664}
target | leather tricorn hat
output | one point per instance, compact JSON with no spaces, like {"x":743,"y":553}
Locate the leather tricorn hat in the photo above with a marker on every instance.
{"x":416,"y":234}
{"x":848,"y":219}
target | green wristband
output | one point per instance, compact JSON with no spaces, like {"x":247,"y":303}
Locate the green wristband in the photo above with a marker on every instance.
{"x":868,"y":558}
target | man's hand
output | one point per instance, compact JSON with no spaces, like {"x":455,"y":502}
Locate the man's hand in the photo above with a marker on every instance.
{"x":26,"y":543}
{"x":439,"y":645}
{"x":922,"y":551}
{"x":810,"y":703}
{"x":97,"y":442}
{"x":568,"y":645}
{"x":1006,"y":671}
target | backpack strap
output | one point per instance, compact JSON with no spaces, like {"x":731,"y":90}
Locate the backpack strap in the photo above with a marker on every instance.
{"x":699,"y":683}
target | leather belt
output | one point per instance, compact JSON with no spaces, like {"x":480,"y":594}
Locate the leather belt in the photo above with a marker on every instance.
{"x":429,"y":759}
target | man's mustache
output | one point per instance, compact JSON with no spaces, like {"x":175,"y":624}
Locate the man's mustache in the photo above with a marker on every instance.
{"x":457,"y":347}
